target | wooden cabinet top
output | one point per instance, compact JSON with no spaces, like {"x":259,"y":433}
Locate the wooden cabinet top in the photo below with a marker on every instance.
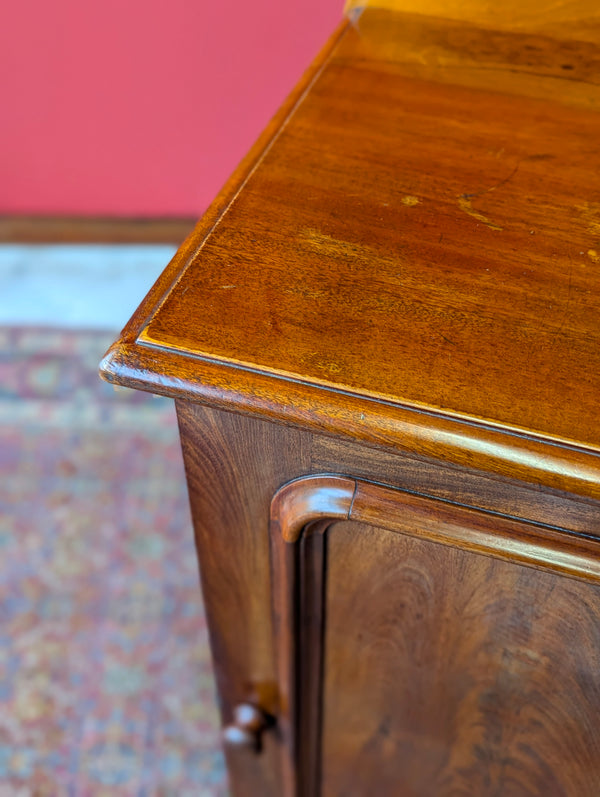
{"x":409,"y":256}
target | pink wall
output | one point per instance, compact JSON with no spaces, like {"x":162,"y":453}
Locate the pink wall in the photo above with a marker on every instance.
{"x":142,"y":107}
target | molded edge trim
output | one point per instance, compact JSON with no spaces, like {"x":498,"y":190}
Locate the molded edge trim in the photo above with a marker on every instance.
{"x":307,"y":499}
{"x":301,"y":511}
{"x":513,"y":454}
{"x":331,"y":498}
{"x":558,"y":17}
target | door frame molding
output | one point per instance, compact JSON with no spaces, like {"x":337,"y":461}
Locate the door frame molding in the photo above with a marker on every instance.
{"x":301,"y":513}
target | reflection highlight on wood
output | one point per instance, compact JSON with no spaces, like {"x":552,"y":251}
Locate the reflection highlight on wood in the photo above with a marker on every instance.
{"x":246,"y":728}
{"x":450,"y":673}
{"x":303,"y":502}
{"x":547,"y":15}
{"x":301,"y":513}
{"x":374,"y":296}
{"x":298,"y":503}
{"x":400,"y":284}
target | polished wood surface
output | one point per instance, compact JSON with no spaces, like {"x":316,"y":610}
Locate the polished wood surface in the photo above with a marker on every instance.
{"x":560,"y":67}
{"x":298,"y":505}
{"x":231,"y":483}
{"x":369,"y":579}
{"x":383,"y":339}
{"x":471,"y":487}
{"x":574,"y":18}
{"x":243,"y":470}
{"x":246,"y":728}
{"x":449,"y":673}
{"x":411,"y":259}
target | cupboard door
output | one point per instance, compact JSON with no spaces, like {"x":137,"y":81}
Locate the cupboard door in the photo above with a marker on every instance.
{"x":412,"y":667}
{"x":453,"y":673}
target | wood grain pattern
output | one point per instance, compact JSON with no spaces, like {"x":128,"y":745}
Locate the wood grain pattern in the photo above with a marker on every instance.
{"x":558,"y":67}
{"x":449,"y":673}
{"x":297,"y":504}
{"x":313,"y":502}
{"x":399,"y":289}
{"x":215,"y":212}
{"x":476,"y":531}
{"x":520,"y":457}
{"x":464,"y":485}
{"x":409,"y":260}
{"x":302,"y":513}
{"x":234,"y":465}
{"x":577,"y":18}
{"x":231,"y":482}
{"x":453,"y":291}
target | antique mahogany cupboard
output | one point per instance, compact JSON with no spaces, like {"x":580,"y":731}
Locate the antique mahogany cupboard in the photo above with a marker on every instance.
{"x":383,"y":343}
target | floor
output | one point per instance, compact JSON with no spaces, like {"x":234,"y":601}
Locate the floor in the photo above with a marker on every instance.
{"x":76,"y":286}
{"x":106,"y":684}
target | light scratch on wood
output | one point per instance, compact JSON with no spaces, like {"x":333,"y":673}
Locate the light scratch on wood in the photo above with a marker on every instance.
{"x":464,"y":203}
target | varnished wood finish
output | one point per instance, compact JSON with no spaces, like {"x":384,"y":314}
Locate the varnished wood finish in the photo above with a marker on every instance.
{"x":300,"y":502}
{"x":521,"y":457}
{"x":245,"y":731}
{"x":448,"y":673}
{"x":231,"y":484}
{"x":438,"y":223}
{"x":467,"y":486}
{"x":579,"y":19}
{"x":301,"y":513}
{"x":235,"y":465}
{"x":558,"y":67}
{"x":475,"y":531}
{"x":383,"y":339}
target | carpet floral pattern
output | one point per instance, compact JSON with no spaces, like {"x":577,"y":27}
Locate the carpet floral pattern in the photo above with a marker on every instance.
{"x":105,"y":679}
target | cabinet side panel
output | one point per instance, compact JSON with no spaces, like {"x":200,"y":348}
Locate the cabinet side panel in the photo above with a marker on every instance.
{"x":234,"y":465}
{"x":453,"y":673}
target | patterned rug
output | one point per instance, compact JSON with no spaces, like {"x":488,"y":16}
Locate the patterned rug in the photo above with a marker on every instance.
{"x":105,"y":679}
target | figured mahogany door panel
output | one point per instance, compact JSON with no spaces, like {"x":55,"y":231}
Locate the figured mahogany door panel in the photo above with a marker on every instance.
{"x":453,"y":673}
{"x":431,"y":648}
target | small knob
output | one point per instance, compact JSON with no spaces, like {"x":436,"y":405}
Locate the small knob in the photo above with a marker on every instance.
{"x":248,"y":724}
